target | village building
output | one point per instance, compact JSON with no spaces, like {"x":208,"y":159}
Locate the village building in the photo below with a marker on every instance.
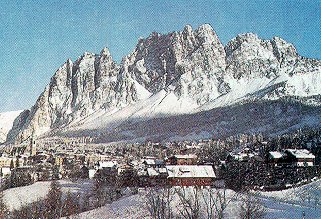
{"x":244,"y":155}
{"x":300,"y":157}
{"x":157,"y":176}
{"x":59,"y":159}
{"x":189,"y":159}
{"x":107,"y":165}
{"x":276,"y":158}
{"x":5,"y":171}
{"x":5,"y":161}
{"x":190,"y":175}
{"x":40,"y":157}
{"x":151,"y":162}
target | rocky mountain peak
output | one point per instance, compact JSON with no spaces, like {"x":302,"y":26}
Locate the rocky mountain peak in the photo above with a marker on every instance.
{"x":249,"y":56}
{"x":283,"y":47}
{"x":242,"y":40}
{"x":188,"y":30}
{"x":190,"y":66}
{"x":105,"y":52}
{"x":205,"y":28}
{"x":180,"y":59}
{"x":285,"y":52}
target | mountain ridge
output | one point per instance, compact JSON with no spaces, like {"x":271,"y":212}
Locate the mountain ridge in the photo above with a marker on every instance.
{"x":190,"y":71}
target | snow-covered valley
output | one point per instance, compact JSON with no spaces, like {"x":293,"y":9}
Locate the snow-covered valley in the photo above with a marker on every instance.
{"x":284,"y":204}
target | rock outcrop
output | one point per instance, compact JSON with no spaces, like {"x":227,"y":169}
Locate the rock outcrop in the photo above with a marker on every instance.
{"x":192,"y":64}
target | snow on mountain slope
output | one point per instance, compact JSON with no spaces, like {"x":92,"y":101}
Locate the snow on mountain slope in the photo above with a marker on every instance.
{"x":166,"y":75}
{"x":6,"y":122}
{"x":304,"y":84}
{"x":264,"y":116}
{"x":164,"y":103}
{"x":167,"y":104}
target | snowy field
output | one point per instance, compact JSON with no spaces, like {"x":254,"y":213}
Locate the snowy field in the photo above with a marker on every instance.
{"x":291,"y":203}
{"x":286,"y":204}
{"x":20,"y":196}
{"x":134,"y":207}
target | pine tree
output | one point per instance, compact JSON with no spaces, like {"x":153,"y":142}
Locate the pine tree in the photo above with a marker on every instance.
{"x":70,"y":205}
{"x":3,"y":208}
{"x":11,"y":165}
{"x":55,"y":172}
{"x":53,"y":200}
{"x":86,"y":202}
{"x":17,"y":162}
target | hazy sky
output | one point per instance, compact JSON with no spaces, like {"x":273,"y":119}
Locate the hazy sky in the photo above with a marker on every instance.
{"x":37,"y":36}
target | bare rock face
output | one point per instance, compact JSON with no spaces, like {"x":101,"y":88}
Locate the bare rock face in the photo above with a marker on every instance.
{"x":250,"y":57}
{"x":192,"y":64}
{"x":76,"y":90}
{"x":285,"y":52}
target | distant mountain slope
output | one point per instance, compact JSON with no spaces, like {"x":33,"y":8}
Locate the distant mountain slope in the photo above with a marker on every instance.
{"x":6,"y":122}
{"x":133,"y":124}
{"x":171,"y":75}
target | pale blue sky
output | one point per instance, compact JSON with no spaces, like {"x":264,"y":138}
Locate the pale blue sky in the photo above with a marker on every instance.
{"x":36,"y":37}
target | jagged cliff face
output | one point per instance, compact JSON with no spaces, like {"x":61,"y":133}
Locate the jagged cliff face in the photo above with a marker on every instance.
{"x":191,"y":64}
{"x":248,"y":56}
{"x":251,"y":57}
{"x":76,"y":90}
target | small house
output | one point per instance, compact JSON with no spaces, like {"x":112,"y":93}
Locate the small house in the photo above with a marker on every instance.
{"x":190,"y":175}
{"x":5,"y":171}
{"x":188,"y":159}
{"x":300,"y":157}
{"x":157,"y":176}
{"x":276,"y":158}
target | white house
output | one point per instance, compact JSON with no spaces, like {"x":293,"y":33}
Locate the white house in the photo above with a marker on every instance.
{"x":300,"y":157}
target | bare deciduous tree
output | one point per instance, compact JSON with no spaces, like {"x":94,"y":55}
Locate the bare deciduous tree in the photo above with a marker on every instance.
{"x":3,"y":208}
{"x":216,"y":202}
{"x":190,"y":205}
{"x":251,"y":206}
{"x":70,"y":205}
{"x":158,"y":203}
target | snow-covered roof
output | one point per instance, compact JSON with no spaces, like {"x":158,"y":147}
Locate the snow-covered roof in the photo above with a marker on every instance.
{"x":276,"y":154}
{"x":152,"y":172}
{"x":134,"y":163}
{"x":149,"y":161}
{"x":162,"y":170}
{"x":242,"y":156}
{"x":140,"y":172}
{"x":301,"y":153}
{"x":107,"y":164}
{"x":155,"y":171}
{"x":190,"y":171}
{"x":194,"y":146}
{"x":187,"y":156}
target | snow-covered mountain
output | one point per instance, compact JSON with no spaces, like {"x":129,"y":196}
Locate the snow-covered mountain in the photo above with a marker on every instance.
{"x":186,"y":76}
{"x":6,"y":122}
